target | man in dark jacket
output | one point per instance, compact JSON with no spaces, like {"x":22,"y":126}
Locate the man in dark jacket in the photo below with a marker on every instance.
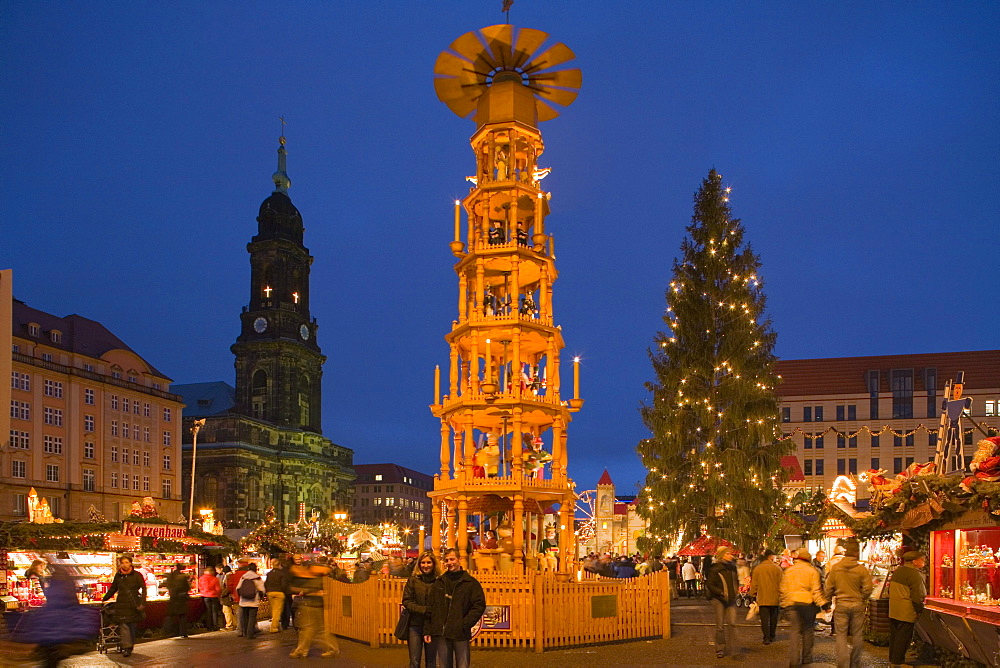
{"x":130,"y":602}
{"x":906,"y":601}
{"x":455,"y":604}
{"x":178,"y":585}
{"x":276,"y":585}
{"x":721,"y":582}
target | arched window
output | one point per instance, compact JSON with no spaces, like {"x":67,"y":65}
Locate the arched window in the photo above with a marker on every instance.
{"x":258,"y":393}
{"x":253,"y":493}
{"x":210,"y":492}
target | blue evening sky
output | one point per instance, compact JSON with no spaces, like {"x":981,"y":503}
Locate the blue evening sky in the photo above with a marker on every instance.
{"x":861,"y":141}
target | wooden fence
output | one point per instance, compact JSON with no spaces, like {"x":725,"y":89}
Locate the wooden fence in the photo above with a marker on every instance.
{"x":536,"y":611}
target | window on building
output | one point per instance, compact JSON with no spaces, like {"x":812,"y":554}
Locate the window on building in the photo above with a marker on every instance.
{"x":841,"y":441}
{"x":126,"y":478}
{"x":786,"y":413}
{"x":53,"y":388}
{"x":46,"y":357}
{"x":116,"y":374}
{"x":145,"y":483}
{"x":902,"y":393}
{"x":841,"y":466}
{"x":852,"y":412}
{"x":20,"y":504}
{"x":364,"y":490}
{"x":114,"y":427}
{"x":897,"y":465}
{"x":135,"y":407}
{"x":114,"y":402}
{"x":135,"y":457}
{"x":55,"y":505}
{"x":840,"y":413}
{"x":852,"y":442}
{"x":875,"y":463}
{"x":126,"y":404}
{"x":377,"y":501}
{"x":20,"y":381}
{"x":88,"y":423}
{"x":932,"y":439}
{"x":967,"y":438}
{"x":88,"y":450}
{"x":166,"y":438}
{"x":897,"y":441}
{"x":875,"y":440}
{"x":909,"y":460}
{"x":930,"y":384}
{"x":818,"y":413}
{"x":20,"y":410}
{"x":807,"y":441}
{"x":166,"y":488}
{"x":909,"y":439}
{"x":88,"y":397}
{"x":145,"y":459}
{"x":133,"y":379}
{"x":818,"y":441}
{"x":145,"y":410}
{"x":389,"y":488}
{"x":52,"y":445}
{"x":52,"y":473}
{"x":819,"y":467}
{"x":852,"y":466}
{"x":807,"y":414}
{"x":135,"y":483}
{"x":20,"y":440}
{"x":114,"y":480}
{"x":53,"y":416}
{"x":55,"y":336}
{"x":33,"y":329}
{"x":124,"y":429}
{"x":135,"y":432}
{"x":807,"y":467}
{"x":872,"y":382}
{"x":145,"y":434}
{"x":114,"y":453}
{"x":88,"y":367}
{"x":378,"y":476}
{"x":166,"y":461}
{"x":166,"y":415}
{"x":88,"y":480}
{"x":17,"y":469}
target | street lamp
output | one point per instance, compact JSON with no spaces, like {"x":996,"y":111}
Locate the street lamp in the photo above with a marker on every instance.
{"x":195,"y":427}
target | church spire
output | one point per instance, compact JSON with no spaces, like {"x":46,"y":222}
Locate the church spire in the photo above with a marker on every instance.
{"x":281,"y":181}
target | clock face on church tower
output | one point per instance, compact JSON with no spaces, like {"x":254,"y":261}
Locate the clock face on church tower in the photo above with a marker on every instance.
{"x":259,"y":325}
{"x":304,"y":332}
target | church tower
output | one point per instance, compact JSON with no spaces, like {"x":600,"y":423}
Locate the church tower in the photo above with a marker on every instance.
{"x":278,"y":360}
{"x":504,"y":416}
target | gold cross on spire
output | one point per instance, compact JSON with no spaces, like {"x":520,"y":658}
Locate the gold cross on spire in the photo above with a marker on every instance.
{"x":283,"y":124}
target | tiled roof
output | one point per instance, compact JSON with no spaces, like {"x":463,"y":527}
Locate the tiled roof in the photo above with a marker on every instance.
{"x":390,"y":473}
{"x":80,"y":336}
{"x":206,"y":399}
{"x":846,"y":375}
{"x":605,"y":479}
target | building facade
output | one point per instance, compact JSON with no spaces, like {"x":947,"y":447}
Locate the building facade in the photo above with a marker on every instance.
{"x":91,"y":422}
{"x":262,"y":443}
{"x":850,"y":414}
{"x":617,"y":525}
{"x":391,"y":493}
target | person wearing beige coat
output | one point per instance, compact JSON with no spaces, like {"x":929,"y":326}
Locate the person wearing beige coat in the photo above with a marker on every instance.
{"x":801,"y":597}
{"x":764,"y":587}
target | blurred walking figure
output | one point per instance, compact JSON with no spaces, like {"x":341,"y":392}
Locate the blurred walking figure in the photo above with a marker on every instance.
{"x":851,"y":584}
{"x":210,"y":590}
{"x":456,"y":602}
{"x":62,"y":627}
{"x":250,"y":590}
{"x":276,"y":586}
{"x":764,"y":585}
{"x":129,"y":590}
{"x":416,"y":596}
{"x":178,"y":586}
{"x":226,"y":601}
{"x":801,"y":598}
{"x":721,"y":582}
{"x":307,"y":582}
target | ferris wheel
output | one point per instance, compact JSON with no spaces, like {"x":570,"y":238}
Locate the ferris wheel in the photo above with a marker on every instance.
{"x":586,"y":507}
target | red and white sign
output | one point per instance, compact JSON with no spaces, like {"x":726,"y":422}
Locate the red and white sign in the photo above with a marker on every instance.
{"x":154,"y":530}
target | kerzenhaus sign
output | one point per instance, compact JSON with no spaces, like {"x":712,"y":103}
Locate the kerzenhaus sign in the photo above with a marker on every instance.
{"x":154,"y":530}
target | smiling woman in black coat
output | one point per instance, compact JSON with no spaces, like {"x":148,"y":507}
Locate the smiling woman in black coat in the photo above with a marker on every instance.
{"x":130,"y":602}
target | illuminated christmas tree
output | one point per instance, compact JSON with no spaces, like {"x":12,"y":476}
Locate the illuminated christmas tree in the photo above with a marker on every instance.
{"x":270,"y":537}
{"x":713,"y":458}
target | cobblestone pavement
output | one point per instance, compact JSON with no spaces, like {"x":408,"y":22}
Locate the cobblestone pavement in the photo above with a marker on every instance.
{"x":691,"y":645}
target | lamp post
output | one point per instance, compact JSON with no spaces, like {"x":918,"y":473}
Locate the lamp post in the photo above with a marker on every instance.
{"x":195,"y":427}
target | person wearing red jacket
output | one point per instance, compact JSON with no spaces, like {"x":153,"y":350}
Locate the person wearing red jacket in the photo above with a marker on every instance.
{"x":208,"y":586}
{"x":232,"y":582}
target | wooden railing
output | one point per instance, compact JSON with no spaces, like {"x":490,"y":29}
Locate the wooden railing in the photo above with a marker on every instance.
{"x":544,"y":612}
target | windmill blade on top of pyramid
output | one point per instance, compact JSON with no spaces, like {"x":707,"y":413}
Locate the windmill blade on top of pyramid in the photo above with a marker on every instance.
{"x":545,"y":111}
{"x":528,"y":41}
{"x":468,"y":46}
{"x":563,"y":98}
{"x":562,"y":78}
{"x":450,"y":65}
{"x":461,"y":102}
{"x":500,"y":40}
{"x":554,"y":55}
